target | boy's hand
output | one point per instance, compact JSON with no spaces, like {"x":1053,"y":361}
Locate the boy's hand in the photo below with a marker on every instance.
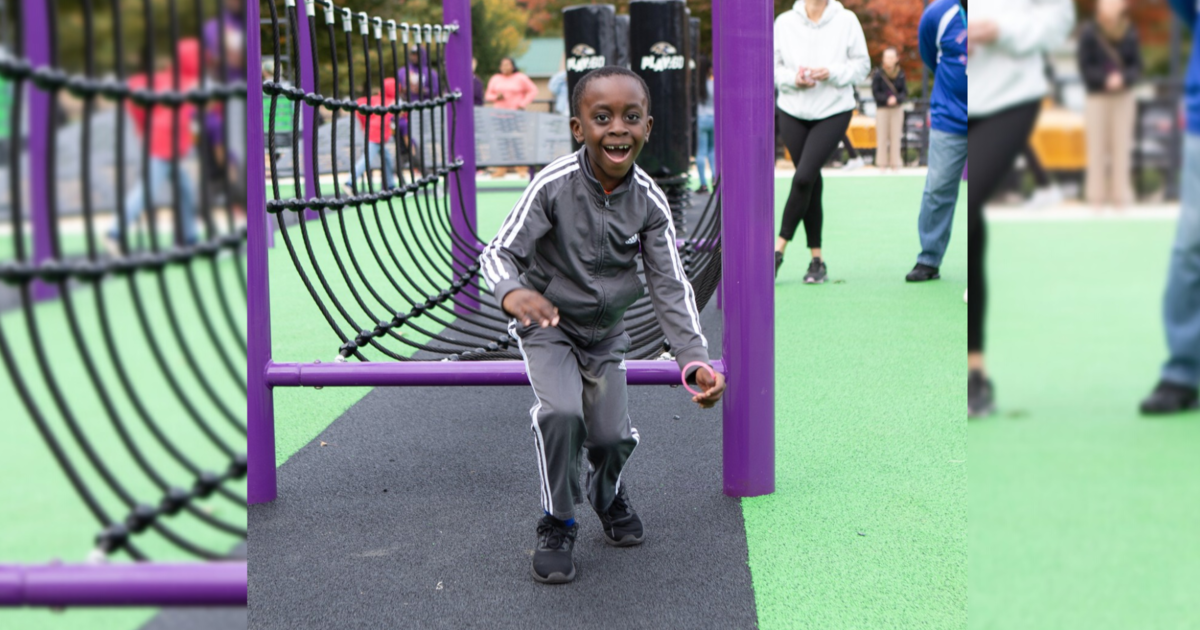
{"x":820,"y":74}
{"x":713,"y":388}
{"x":529,"y":306}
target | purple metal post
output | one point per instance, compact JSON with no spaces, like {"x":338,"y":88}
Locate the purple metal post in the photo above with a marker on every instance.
{"x":307,"y":112}
{"x":444,"y":374}
{"x":742,"y":31}
{"x":141,"y":584}
{"x":462,"y":195}
{"x":35,"y":22}
{"x":260,"y":411}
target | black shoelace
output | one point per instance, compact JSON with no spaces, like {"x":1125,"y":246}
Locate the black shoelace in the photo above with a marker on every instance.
{"x":555,"y":535}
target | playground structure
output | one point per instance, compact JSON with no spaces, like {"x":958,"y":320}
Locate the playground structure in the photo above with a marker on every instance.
{"x":429,"y":217}
{"x":140,"y":410}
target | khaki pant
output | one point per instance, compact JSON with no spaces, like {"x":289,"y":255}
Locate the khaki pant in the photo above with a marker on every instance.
{"x":889,"y":130}
{"x":1109,"y":120}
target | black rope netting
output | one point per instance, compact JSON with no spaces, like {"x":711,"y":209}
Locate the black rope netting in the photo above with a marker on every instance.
{"x":151,"y":327}
{"x":387,"y":269}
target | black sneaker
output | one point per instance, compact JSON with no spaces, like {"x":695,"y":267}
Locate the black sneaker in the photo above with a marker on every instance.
{"x":817,"y":273}
{"x":703,"y":190}
{"x":778,"y":262}
{"x":552,"y":562}
{"x":921,"y":273}
{"x":980,"y":395}
{"x":1170,"y":398}
{"x":622,"y":526}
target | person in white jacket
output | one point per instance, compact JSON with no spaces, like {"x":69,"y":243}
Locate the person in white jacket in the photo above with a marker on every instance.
{"x":820,"y":53}
{"x":1005,"y":43}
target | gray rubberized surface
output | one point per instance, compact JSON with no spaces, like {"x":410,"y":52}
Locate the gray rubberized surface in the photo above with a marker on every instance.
{"x":419,"y":512}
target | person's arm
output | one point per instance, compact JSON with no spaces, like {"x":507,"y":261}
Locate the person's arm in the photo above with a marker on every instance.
{"x":901,"y":86}
{"x":1091,"y":59}
{"x":785,"y":75}
{"x":1040,"y":29}
{"x":492,"y":94}
{"x":1131,"y":51}
{"x":858,"y":61}
{"x":670,"y":292}
{"x":511,"y":251}
{"x":528,"y":90}
{"x":1187,"y":11}
{"x":558,"y":83}
{"x":879,"y":89}
{"x":927,"y":40}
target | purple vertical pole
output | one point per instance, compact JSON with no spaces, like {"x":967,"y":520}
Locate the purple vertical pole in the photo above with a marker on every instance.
{"x":260,"y":409}
{"x":35,"y":20}
{"x":462,"y":195}
{"x":307,"y":112}
{"x":744,"y":82}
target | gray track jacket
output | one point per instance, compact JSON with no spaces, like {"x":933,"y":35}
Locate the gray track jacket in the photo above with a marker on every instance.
{"x":577,"y":246}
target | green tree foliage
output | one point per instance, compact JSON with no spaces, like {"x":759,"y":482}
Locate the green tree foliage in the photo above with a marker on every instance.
{"x":499,"y":28}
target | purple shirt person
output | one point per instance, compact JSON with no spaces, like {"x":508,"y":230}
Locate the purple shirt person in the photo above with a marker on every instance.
{"x":424,"y":82}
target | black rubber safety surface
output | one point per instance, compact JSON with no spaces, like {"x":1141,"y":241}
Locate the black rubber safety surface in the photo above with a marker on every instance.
{"x":417,"y":509}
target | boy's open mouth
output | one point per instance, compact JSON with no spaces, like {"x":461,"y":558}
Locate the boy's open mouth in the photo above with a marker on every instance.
{"x":617,"y":152}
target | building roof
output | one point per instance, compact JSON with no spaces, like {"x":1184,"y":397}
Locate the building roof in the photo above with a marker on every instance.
{"x":542,"y":58}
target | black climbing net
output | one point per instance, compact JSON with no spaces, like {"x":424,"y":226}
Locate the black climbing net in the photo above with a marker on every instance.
{"x":385,"y":266}
{"x":131,"y":367}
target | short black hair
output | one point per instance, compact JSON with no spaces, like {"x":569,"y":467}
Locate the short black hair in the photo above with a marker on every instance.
{"x":600,"y":73}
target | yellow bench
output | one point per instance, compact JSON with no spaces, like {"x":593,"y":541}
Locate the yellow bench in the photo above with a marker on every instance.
{"x":1059,"y":140}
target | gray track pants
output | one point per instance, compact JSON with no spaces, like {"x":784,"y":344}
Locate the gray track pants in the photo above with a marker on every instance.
{"x":581,"y":401}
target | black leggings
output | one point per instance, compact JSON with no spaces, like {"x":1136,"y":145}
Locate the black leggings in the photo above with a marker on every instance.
{"x":810,"y":142}
{"x":993,"y":143}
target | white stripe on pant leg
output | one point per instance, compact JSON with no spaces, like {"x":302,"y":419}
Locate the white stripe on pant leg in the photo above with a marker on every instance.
{"x":637,"y":440}
{"x":539,"y":441}
{"x":537,"y":446}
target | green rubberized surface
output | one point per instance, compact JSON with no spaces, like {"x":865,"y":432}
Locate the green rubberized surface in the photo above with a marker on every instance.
{"x":1083,"y":513}
{"x":867,"y":525}
{"x":45,"y":519}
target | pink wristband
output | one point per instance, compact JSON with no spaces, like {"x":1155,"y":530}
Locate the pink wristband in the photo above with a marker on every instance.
{"x":683,"y":375}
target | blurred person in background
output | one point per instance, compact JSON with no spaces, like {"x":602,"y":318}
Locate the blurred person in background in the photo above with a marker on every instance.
{"x":1109,"y":63}
{"x":890,"y":93}
{"x":378,"y":131}
{"x":558,"y":87}
{"x":170,"y":143}
{"x":422,"y":82}
{"x":706,"y":127}
{"x":476,"y":83}
{"x":1006,"y":40}
{"x":1176,"y":390}
{"x":510,"y":88}
{"x":224,"y":120}
{"x":943,"y":43}
{"x":820,"y":54}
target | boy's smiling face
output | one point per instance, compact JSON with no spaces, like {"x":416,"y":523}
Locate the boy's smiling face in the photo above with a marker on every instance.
{"x":613,"y":123}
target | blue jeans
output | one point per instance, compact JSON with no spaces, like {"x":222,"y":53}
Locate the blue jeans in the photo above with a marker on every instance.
{"x":161,"y":174}
{"x":1181,"y":305}
{"x":373,"y":150}
{"x":947,"y":157}
{"x":705,"y":147}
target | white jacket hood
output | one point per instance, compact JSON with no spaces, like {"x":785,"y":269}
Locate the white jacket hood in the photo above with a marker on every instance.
{"x":835,"y":42}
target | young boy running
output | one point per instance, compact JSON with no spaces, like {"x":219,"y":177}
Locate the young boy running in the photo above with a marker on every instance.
{"x":564,"y":266}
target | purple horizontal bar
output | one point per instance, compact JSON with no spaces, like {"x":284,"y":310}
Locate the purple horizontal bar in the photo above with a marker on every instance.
{"x":438,"y":373}
{"x":139,"y":584}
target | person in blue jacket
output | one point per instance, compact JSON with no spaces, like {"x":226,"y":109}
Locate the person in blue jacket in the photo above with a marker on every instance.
{"x":943,"y":43}
{"x":1177,"y":386}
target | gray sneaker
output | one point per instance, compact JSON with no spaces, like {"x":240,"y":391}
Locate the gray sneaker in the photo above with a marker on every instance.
{"x":981,"y":401}
{"x":817,"y":272}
